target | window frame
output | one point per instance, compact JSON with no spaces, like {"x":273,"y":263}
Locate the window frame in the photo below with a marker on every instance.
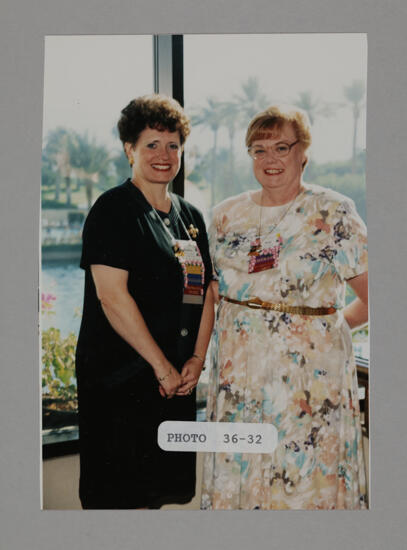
{"x":168,"y":72}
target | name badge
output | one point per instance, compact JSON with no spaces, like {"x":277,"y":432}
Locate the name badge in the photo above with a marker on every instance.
{"x":190,"y":259}
{"x":266,"y":257}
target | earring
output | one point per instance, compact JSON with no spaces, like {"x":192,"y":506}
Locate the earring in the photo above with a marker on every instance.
{"x":131,"y":161}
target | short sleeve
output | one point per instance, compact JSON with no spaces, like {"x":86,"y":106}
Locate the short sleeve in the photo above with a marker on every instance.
{"x":105,"y":239}
{"x":213,"y":238}
{"x":350,"y":241}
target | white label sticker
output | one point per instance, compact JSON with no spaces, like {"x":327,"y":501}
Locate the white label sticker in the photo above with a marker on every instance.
{"x":221,"y":437}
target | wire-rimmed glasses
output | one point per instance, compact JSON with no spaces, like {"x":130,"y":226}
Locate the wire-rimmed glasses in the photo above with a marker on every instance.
{"x":279,"y":150}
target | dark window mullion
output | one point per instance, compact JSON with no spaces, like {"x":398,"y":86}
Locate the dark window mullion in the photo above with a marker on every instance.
{"x":168,"y":61}
{"x":178,"y":184}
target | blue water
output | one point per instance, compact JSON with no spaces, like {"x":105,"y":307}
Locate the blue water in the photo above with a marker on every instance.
{"x":66,"y":282}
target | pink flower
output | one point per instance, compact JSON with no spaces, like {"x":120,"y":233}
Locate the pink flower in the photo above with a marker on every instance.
{"x":46,"y":302}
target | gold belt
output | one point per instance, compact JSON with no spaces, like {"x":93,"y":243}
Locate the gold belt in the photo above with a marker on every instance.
{"x":256,"y":303}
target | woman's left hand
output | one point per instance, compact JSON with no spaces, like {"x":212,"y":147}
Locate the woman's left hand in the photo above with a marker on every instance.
{"x":190,"y":376}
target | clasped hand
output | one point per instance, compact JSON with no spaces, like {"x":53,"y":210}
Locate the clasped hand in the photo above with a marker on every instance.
{"x":181,"y":383}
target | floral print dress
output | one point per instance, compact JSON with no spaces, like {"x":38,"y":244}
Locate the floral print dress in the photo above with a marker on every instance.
{"x":294,"y":371}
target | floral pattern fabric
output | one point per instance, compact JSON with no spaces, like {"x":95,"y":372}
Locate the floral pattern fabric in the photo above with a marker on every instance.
{"x":294,"y":371}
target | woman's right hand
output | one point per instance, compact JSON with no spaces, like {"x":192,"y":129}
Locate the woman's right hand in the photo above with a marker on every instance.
{"x":170,"y":380}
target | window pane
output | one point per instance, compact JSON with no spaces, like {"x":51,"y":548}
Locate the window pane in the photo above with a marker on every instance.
{"x":229,"y":78}
{"x":87,"y":81}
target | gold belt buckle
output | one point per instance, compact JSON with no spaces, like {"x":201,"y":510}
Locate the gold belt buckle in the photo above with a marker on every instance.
{"x":254,"y":303}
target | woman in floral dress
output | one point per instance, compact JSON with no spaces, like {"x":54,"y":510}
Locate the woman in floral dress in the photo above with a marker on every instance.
{"x":283,"y":352}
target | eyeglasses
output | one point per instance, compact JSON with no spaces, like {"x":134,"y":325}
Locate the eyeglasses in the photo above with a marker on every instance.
{"x":279,"y":150}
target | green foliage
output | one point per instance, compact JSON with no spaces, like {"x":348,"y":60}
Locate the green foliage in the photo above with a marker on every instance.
{"x":355,"y":93}
{"x":351,"y":185}
{"x":226,"y":184}
{"x":340,"y":168}
{"x":58,"y":364}
{"x":195,"y":176}
{"x":361,"y":334}
{"x":219,"y":171}
{"x":70,"y":157}
{"x":121,"y":166}
{"x":89,"y":156}
{"x":251,"y":99}
{"x":76,"y":169}
{"x":314,"y":107}
{"x":230,"y":115}
{"x":344,"y":177}
{"x":48,"y":173}
{"x":337,"y":176}
{"x":209,"y":115}
{"x":48,"y":203}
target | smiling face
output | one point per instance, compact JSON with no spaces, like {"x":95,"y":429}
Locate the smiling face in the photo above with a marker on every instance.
{"x":156,"y":156}
{"x":282,"y":175}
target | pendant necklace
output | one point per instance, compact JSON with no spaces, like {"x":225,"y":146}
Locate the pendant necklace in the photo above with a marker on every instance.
{"x":261,"y":259}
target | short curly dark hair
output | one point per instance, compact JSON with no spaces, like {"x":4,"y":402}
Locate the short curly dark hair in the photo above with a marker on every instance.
{"x":155,"y":111}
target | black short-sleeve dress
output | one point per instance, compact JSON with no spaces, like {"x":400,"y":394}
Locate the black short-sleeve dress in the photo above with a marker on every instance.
{"x":120,"y":408}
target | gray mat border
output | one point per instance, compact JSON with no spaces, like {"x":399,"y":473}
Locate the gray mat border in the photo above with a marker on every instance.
{"x":22,"y":524}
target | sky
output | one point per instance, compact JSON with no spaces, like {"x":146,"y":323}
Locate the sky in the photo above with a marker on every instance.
{"x":285,"y":64}
{"x":89,"y":79}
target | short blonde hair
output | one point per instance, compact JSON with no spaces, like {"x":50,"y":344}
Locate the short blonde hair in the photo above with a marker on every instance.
{"x":275,"y":117}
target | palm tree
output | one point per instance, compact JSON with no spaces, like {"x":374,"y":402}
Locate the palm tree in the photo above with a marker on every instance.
{"x":230,"y":117}
{"x":355,"y":94}
{"x":59,"y":148}
{"x":90,"y":161}
{"x":210,"y":116}
{"x":313,"y":106}
{"x":251,"y":100}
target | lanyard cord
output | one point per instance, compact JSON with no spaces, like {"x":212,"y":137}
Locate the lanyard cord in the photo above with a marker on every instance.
{"x":171,"y":236}
{"x":279,"y":220}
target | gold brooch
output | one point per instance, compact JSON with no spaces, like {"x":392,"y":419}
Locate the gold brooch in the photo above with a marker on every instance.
{"x":177,"y":250}
{"x":193,"y":231}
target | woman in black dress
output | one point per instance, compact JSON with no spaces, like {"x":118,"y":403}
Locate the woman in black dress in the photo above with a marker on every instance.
{"x":146,"y":322}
